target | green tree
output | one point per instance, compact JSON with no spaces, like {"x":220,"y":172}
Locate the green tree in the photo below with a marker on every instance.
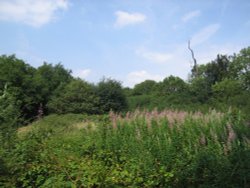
{"x":208,"y":75}
{"x":218,"y":69}
{"x":145,"y":88}
{"x":48,"y":78}
{"x":215,"y":70}
{"x":76,"y":97}
{"x":128,"y":91}
{"x":111,"y":95}
{"x":172,"y":85}
{"x":227,"y":88}
{"x":19,"y":77}
{"x":172,"y":92}
{"x":10,"y":116}
{"x":200,"y":90}
{"x":240,"y":67}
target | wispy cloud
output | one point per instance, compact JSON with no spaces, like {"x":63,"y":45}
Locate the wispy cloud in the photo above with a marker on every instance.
{"x":204,"y":34}
{"x":140,"y":76}
{"x":82,"y":73}
{"x":156,"y":57}
{"x":191,"y":15}
{"x":35,"y":13}
{"x":125,"y":18}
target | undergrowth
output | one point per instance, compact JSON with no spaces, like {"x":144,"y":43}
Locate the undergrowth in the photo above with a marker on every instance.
{"x":139,"y":149}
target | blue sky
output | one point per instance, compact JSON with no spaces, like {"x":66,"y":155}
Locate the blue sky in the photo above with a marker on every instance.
{"x":128,"y":40}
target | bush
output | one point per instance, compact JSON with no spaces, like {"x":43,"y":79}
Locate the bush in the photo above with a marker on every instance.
{"x":76,"y":97}
{"x":112,"y":96}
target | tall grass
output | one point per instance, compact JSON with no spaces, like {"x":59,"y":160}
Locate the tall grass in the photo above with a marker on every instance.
{"x":140,"y":149}
{"x":179,"y":148}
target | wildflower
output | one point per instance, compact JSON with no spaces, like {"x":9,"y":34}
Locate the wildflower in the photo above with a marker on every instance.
{"x":113,"y":118}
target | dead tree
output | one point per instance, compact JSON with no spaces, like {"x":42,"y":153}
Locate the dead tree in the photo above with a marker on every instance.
{"x":195,"y":68}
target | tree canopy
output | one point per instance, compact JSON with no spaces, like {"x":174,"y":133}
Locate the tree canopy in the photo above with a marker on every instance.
{"x":111,"y":95}
{"x":50,"y":88}
{"x":77,"y":96}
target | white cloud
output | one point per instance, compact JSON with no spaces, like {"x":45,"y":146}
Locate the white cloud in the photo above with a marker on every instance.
{"x":35,"y":13}
{"x":191,"y":15}
{"x":124,"y":18}
{"x":204,"y":34}
{"x":83,"y":73}
{"x":157,"y":57}
{"x":140,"y":76}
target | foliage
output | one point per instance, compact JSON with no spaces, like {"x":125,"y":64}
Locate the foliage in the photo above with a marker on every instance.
{"x":32,"y":88}
{"x":201,"y":90}
{"x":217,"y":69}
{"x":9,"y":115}
{"x":48,"y":79}
{"x":227,"y":88}
{"x":147,"y":148}
{"x":76,"y":97}
{"x":145,"y":88}
{"x":240,"y":67}
{"x":9,"y":121}
{"x":172,"y":86}
{"x":141,"y":149}
{"x":111,"y":95}
{"x":221,"y":83}
{"x":140,"y":102}
{"x":18,"y":76}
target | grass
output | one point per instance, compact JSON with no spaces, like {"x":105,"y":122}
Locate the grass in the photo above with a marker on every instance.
{"x":137,"y":149}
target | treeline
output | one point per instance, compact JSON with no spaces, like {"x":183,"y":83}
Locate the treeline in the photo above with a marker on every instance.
{"x":28,"y":93}
{"x":221,"y":84}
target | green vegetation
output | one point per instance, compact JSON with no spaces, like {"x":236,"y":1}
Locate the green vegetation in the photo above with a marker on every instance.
{"x":60,"y":131}
{"x":141,"y":149}
{"x":220,"y":84}
{"x":76,"y":97}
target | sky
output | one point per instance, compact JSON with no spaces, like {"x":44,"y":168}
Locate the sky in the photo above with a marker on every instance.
{"x":127,"y":40}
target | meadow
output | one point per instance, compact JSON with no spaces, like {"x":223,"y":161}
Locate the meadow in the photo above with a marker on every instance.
{"x":166,"y":148}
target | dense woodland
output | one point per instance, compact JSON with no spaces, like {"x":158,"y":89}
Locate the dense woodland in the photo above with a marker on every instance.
{"x":45,"y":94}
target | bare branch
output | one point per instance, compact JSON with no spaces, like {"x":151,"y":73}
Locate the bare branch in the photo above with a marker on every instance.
{"x":194,"y":60}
